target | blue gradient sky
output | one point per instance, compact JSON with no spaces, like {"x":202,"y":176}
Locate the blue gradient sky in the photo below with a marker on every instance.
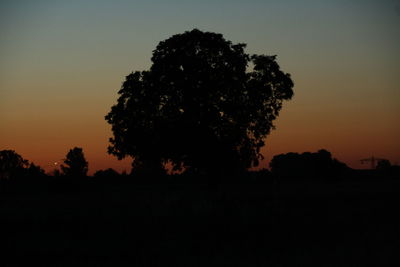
{"x":62,"y":63}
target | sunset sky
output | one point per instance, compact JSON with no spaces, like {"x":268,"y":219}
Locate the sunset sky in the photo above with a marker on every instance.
{"x":62,"y":63}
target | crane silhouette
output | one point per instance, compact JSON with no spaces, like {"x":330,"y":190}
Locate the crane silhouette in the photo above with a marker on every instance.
{"x":372,"y":160}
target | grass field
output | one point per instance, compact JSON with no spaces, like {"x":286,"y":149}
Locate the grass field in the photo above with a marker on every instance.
{"x":125,"y":223}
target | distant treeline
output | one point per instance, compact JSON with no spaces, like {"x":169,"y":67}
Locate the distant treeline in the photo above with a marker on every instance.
{"x":305,"y":166}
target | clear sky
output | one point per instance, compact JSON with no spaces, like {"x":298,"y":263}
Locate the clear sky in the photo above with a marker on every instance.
{"x":62,"y":63}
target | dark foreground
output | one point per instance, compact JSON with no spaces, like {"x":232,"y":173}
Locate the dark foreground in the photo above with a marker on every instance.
{"x":125,"y":223}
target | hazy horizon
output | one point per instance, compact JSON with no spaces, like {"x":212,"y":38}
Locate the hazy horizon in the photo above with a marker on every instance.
{"x":63,"y":63}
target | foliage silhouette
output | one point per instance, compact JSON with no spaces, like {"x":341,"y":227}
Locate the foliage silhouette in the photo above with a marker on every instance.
{"x":198,"y":106}
{"x":319,"y":164}
{"x":108,"y":173}
{"x":12,"y":165}
{"x":385,"y":168}
{"x":34,"y":171}
{"x":75,"y":163}
{"x":383,"y":164}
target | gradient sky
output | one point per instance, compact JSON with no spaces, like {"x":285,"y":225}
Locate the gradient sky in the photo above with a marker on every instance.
{"x":62,"y":63}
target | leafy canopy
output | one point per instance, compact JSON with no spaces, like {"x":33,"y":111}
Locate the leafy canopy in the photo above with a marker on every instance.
{"x":198,"y":106}
{"x":10,"y":160}
{"x":75,"y":163}
{"x":13,"y":165}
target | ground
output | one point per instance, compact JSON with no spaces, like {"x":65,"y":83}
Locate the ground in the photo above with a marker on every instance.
{"x":130,"y":223}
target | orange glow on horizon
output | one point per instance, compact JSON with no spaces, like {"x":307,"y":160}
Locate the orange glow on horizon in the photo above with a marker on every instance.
{"x":63,"y":64}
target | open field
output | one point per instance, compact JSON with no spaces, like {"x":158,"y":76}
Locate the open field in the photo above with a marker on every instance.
{"x":122,"y":223}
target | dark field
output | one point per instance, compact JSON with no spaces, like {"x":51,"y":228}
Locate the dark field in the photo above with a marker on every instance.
{"x":174,"y":223}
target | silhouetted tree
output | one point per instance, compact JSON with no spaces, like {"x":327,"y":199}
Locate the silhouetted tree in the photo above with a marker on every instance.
{"x":75,"y":163}
{"x":11,"y":164}
{"x":35,"y":171}
{"x":108,"y":173}
{"x":312,"y":165}
{"x":199,"y":106}
{"x":383,"y":164}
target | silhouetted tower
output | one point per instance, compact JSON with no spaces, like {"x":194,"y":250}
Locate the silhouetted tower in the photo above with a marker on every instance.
{"x":372,"y":160}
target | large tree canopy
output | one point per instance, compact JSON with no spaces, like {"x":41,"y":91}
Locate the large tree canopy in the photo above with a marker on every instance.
{"x":200,"y":106}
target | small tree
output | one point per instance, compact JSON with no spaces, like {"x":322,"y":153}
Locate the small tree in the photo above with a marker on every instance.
{"x":383,"y":164}
{"x":11,"y":164}
{"x":108,"y":173}
{"x":35,"y":171}
{"x":75,"y":163}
